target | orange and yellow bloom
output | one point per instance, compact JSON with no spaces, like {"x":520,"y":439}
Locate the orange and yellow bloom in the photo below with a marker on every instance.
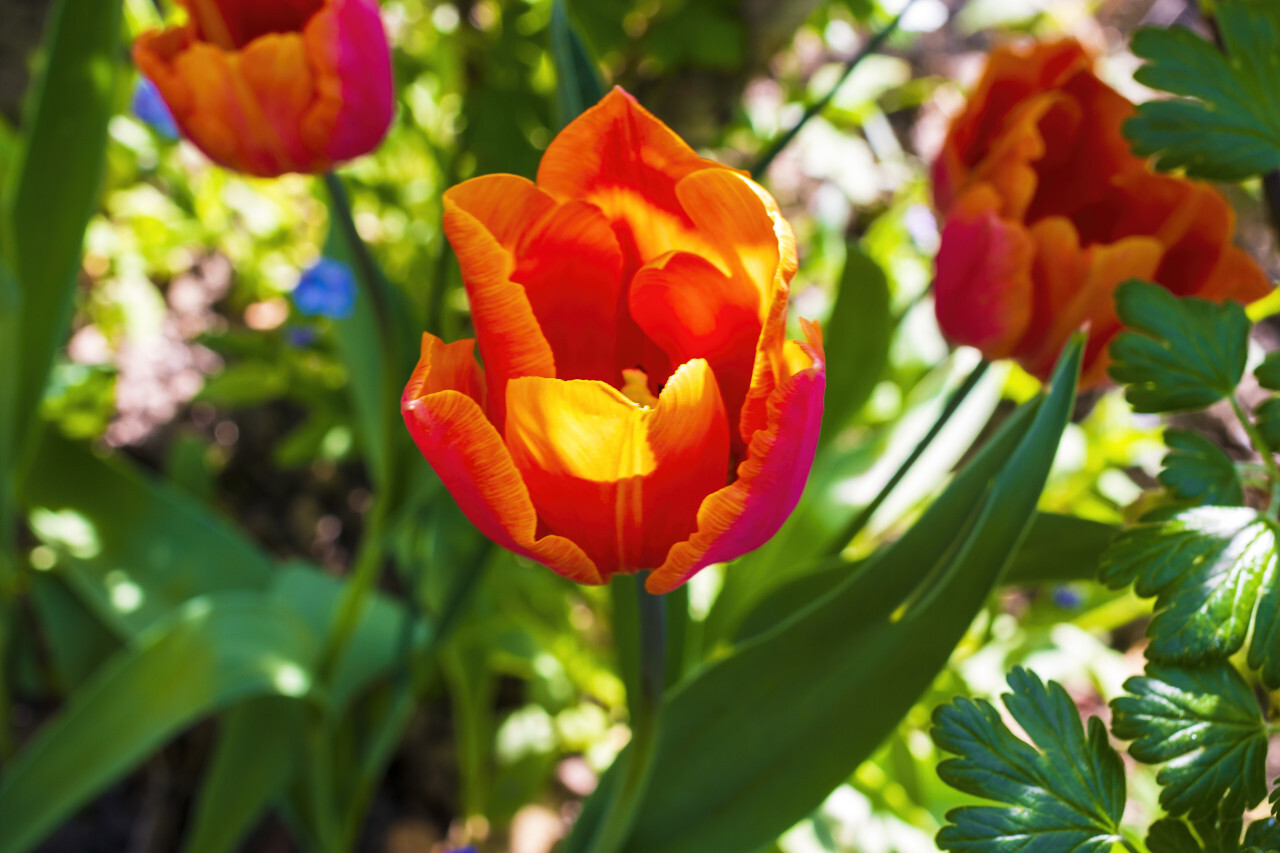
{"x":1047,"y":210}
{"x":639,"y":406}
{"x":273,"y":86}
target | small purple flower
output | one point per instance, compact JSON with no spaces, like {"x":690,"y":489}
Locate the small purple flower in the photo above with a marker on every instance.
{"x":300,"y":337}
{"x":470,"y":848}
{"x":1067,"y":598}
{"x":327,"y":289}
{"x":151,"y":109}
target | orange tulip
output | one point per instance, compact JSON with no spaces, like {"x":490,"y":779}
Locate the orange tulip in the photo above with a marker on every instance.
{"x":273,"y":86}
{"x":639,"y":406}
{"x":1047,"y":210}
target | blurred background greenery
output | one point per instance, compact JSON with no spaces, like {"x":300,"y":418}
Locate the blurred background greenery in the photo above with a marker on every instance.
{"x":191,"y":357}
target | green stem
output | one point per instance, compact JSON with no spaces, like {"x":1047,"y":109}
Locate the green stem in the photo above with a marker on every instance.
{"x":644,"y":707}
{"x":409,"y":685}
{"x":872,"y":46}
{"x":363,"y":578}
{"x":1267,"y":454}
{"x":860,"y":521}
{"x":366,"y":266}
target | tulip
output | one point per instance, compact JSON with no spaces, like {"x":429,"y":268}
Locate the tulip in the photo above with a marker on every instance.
{"x":1047,"y":210}
{"x":273,"y":86}
{"x":639,"y":406}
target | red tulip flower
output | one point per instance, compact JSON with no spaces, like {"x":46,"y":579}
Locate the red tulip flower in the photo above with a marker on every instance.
{"x":639,"y":407}
{"x":273,"y":86}
{"x":1047,"y":210}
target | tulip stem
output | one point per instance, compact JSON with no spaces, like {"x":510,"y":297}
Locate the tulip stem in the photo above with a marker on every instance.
{"x":872,"y":46}
{"x":860,"y":521}
{"x":366,"y":267}
{"x":644,"y":704}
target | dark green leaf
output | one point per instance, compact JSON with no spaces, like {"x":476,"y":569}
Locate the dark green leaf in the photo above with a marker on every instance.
{"x":1263,"y":835}
{"x":1067,"y":792}
{"x":131,"y":546}
{"x":1226,"y":127}
{"x":1206,"y":566}
{"x":756,"y":740}
{"x":858,"y":336}
{"x":1182,"y":353}
{"x":1215,"y":832}
{"x":78,"y":641}
{"x":1206,"y":724}
{"x":259,"y":747}
{"x":57,"y":181}
{"x":1267,"y":419}
{"x":578,"y":84}
{"x":1198,"y":471}
{"x":209,"y":654}
{"x":1268,"y":373}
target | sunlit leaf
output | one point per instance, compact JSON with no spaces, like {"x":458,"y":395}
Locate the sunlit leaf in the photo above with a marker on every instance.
{"x":1067,"y":791}
{"x":1207,"y":567}
{"x":1205,"y":726}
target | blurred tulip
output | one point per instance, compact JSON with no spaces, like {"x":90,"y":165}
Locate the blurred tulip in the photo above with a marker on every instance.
{"x":1047,"y":210}
{"x":639,"y":407}
{"x":273,"y":86}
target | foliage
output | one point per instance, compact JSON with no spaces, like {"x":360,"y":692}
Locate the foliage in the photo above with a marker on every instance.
{"x":1226,"y":124}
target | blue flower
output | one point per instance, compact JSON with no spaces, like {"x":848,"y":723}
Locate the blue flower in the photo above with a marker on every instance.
{"x":1067,"y":598}
{"x":470,"y":848}
{"x":327,"y":289}
{"x":150,"y":108}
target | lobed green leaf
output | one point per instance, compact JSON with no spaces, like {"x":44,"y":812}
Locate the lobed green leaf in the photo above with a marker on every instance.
{"x":1226,"y":126}
{"x":1208,"y":567}
{"x":1196,"y":470}
{"x":1065,"y":793}
{"x":1181,"y":353}
{"x":1205,"y":726}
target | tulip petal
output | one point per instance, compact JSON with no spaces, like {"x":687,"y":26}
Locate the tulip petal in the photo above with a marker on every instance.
{"x":1075,"y":287}
{"x":621,"y":480}
{"x":355,"y":88}
{"x":621,"y":158}
{"x":983,"y":289}
{"x":443,"y":410}
{"x":693,"y":310}
{"x":744,"y":515}
{"x":482,"y":218}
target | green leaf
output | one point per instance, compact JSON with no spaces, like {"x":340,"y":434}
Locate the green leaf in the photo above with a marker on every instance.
{"x":1216,"y":832}
{"x":1267,"y":419}
{"x":1058,"y":548}
{"x":1226,"y":127}
{"x":209,"y":654}
{"x":132,"y":547}
{"x":1268,"y":373}
{"x":78,"y":642}
{"x":1206,"y":724}
{"x":578,"y":84}
{"x":57,"y":182}
{"x":1182,"y":353}
{"x":1263,"y":835}
{"x":1067,"y":792}
{"x":1197,"y":471}
{"x":756,"y":740}
{"x":859,"y":333}
{"x":1206,"y":567}
{"x":259,"y":747}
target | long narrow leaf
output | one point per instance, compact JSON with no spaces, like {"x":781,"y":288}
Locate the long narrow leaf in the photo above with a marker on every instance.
{"x":46,"y":209}
{"x":760,"y":738}
{"x":208,"y":655}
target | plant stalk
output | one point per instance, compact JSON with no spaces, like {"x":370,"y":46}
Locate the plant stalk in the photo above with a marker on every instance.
{"x":860,"y":521}
{"x":872,"y":46}
{"x":1266,"y":452}
{"x":644,"y":707}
